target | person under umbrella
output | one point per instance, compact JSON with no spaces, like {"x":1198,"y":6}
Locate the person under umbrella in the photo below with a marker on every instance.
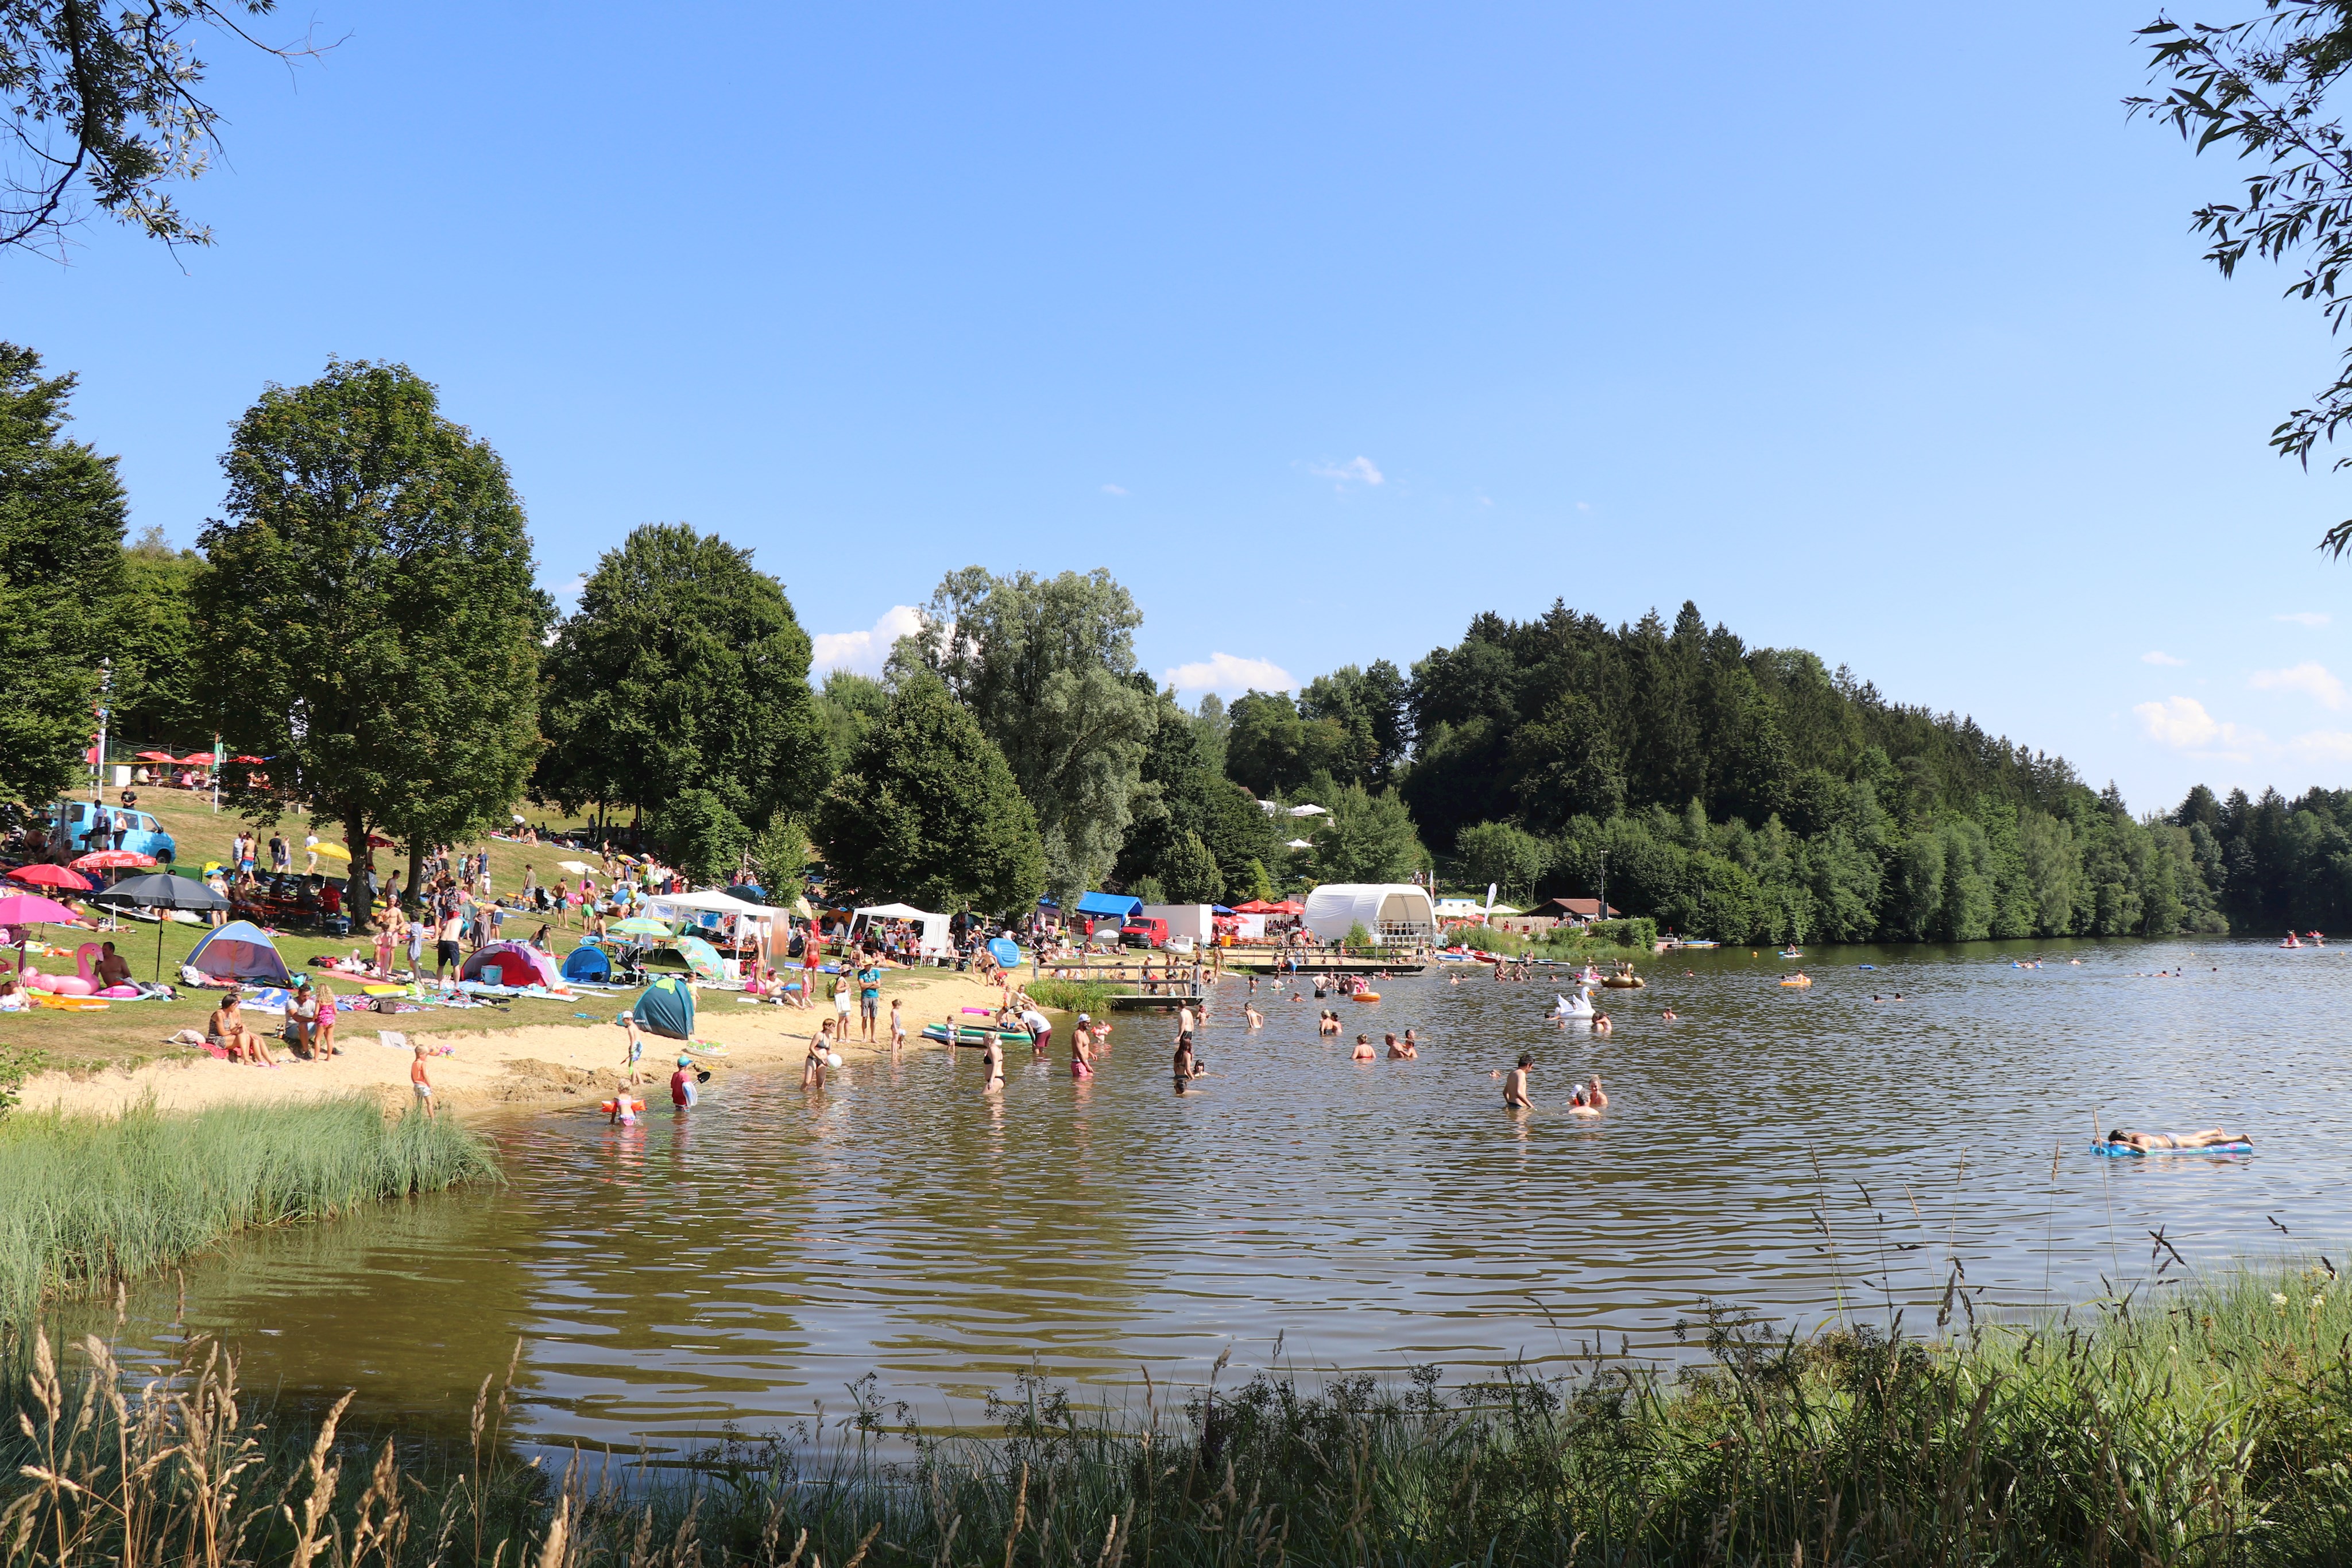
{"x":162,"y":891}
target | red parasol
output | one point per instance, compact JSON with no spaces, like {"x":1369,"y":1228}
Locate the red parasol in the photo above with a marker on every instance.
{"x":152,"y":755}
{"x":249,"y":759}
{"x":204,"y":757}
{"x":113,"y":860}
{"x":49,"y":876}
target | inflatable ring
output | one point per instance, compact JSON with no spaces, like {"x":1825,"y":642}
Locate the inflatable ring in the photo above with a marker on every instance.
{"x":1365,"y":997}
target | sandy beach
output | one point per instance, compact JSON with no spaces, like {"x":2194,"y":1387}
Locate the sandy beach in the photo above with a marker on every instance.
{"x":486,"y":1070}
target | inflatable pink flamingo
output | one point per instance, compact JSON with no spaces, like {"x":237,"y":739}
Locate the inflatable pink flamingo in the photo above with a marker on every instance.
{"x":82,"y":983}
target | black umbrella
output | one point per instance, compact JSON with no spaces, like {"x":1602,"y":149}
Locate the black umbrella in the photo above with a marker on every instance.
{"x":159,"y":891}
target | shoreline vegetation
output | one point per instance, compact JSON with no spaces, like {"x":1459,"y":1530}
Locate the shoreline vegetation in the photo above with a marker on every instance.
{"x":2203,"y":1427}
{"x":92,"y":1200}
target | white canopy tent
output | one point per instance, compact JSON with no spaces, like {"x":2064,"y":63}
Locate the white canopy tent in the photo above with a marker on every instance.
{"x":1395,"y":913}
{"x":686,"y":905}
{"x":934,"y":938}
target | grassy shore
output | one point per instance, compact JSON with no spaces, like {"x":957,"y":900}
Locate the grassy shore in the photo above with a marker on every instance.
{"x":2209,"y":1430}
{"x":91,"y":1201}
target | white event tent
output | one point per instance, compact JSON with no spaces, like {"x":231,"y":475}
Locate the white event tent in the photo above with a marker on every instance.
{"x":934,"y":938}
{"x":1395,"y":913}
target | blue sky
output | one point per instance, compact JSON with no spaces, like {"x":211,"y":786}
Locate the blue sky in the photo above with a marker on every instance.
{"x":1874,"y":329}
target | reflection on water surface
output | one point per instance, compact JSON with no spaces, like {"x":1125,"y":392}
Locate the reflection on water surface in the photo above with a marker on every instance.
{"x":746,"y":1262}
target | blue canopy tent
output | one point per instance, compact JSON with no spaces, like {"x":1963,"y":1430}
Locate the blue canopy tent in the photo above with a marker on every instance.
{"x":1118,"y":905}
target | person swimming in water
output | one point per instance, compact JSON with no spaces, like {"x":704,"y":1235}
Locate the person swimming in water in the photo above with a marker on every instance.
{"x":1578,"y":1104}
{"x":1363,"y":1052}
{"x":1515,"y":1085}
{"x":1330,"y":1023}
{"x":1186,"y":1066}
{"x":992,"y":1061}
{"x":1256,"y":1019}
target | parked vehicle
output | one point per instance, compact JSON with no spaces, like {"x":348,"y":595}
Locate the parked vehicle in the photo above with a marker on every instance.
{"x":70,"y":824}
{"x":1143,"y":931}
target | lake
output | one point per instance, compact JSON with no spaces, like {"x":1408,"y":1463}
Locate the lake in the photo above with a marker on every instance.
{"x":1776,"y":1150}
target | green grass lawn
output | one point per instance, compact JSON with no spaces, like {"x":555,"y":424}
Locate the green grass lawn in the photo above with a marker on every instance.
{"x":128,"y":1034}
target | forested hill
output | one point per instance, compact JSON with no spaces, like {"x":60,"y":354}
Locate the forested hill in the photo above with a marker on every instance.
{"x":1745,"y":794}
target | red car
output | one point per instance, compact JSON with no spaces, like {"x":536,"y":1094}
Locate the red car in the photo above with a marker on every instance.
{"x":1143,"y":931}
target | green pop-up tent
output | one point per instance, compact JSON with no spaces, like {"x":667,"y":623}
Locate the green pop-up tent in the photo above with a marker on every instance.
{"x":666,"y":1007}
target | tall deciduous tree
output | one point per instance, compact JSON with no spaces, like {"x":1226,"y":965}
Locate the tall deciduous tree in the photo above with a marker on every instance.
{"x":928,"y":812}
{"x":1048,"y":665}
{"x":61,"y":518}
{"x":684,"y":668}
{"x":158,"y":695}
{"x":1366,"y":838}
{"x":376,"y":633}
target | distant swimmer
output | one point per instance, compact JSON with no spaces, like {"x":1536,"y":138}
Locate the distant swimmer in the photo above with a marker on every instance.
{"x":2204,"y":1139}
{"x":1329,"y":1023}
{"x":992,"y":1061}
{"x":1186,"y":1066}
{"x":1412,"y":1043}
{"x":1514,"y":1085}
{"x":1594,"y":1097}
{"x":1363,"y":1052}
{"x":1256,"y":1019}
{"x":1579,"y":1104}
{"x":1667,"y":1017}
{"x":1397,"y":1052}
{"x":1601,"y":1024}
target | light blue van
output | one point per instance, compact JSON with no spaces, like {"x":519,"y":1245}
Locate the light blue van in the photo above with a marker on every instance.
{"x":69,"y":823}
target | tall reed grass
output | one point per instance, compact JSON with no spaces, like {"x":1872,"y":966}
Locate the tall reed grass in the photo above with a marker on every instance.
{"x":84,"y":1201}
{"x":2210,"y":1431}
{"x":1091,"y":996}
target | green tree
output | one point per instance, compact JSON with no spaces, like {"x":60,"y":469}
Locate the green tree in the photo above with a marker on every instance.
{"x":105,"y":104}
{"x":62,"y":521}
{"x":1366,"y":838}
{"x":852,"y":704}
{"x":2264,"y":88}
{"x":1566,"y":765}
{"x":381,"y":645}
{"x":1510,"y":858}
{"x":158,"y":695}
{"x":684,"y":668}
{"x":928,"y":812}
{"x":1048,"y":665}
{"x":1190,"y":872}
{"x":700,"y":835}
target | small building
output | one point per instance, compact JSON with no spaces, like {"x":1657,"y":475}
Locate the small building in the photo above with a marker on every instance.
{"x":1582,"y":911}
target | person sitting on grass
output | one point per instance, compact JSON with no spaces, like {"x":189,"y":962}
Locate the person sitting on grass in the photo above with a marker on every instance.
{"x":227,"y":1030}
{"x":14,"y":999}
{"x":113,"y":968}
{"x":301,"y":1020}
{"x":2207,"y":1139}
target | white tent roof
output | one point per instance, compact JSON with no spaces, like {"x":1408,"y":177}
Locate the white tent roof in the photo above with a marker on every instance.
{"x":1299,"y":844}
{"x":1390,"y":909}
{"x":1308,"y":811}
{"x":723,"y":902}
{"x":897,"y":912}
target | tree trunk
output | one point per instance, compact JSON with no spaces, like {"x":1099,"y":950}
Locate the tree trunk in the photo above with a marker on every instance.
{"x":355,"y":894}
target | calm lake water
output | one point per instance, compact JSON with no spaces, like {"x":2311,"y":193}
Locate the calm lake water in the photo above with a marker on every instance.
{"x":1772,"y":1150}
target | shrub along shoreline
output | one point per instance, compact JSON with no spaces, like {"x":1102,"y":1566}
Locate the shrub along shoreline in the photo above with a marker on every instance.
{"x":90,"y":1201}
{"x":2209,"y":1430}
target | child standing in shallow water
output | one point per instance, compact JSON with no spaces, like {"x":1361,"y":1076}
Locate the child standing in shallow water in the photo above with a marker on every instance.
{"x":421,"y":1083}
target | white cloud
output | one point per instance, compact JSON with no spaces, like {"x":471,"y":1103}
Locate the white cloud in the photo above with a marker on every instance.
{"x":2183,"y":723}
{"x":2156,"y":656}
{"x":2305,"y":617}
{"x":2311,"y":679}
{"x":1229,"y":674}
{"x":863,"y":653}
{"x":571,"y":588}
{"x":1113,"y":490}
{"x":1359,"y":472}
{"x":2328,"y":745}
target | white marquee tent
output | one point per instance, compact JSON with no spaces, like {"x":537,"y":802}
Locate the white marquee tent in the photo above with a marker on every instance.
{"x":1395,"y":913}
{"x":934,"y":938}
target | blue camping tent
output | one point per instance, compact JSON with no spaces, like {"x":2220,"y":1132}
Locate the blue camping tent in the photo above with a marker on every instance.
{"x":240,"y":950}
{"x":1117,"y":904}
{"x":587,"y":963}
{"x":665,"y":1008}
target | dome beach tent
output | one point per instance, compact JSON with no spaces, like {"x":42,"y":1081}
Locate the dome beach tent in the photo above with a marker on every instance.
{"x":587,"y":963}
{"x":514,"y":964}
{"x":1393,"y":911}
{"x":240,"y":951}
{"x":665,"y":1008}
